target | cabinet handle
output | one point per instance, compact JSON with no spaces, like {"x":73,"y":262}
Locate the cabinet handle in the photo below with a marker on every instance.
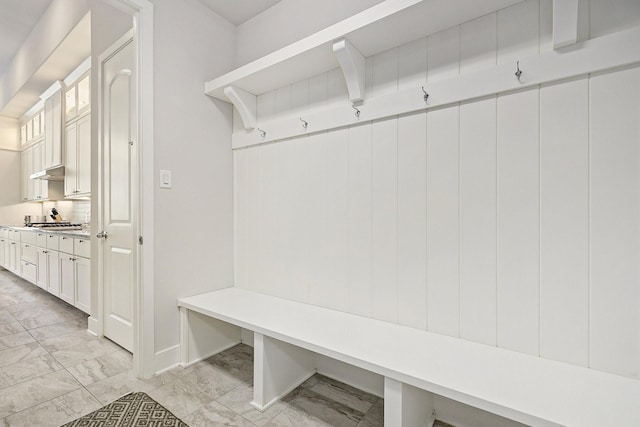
{"x":26,"y":246}
{"x":45,"y":252}
{"x":64,"y":238}
{"x":80,"y":241}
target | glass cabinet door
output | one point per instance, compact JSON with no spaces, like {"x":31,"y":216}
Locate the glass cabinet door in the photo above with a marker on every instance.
{"x":84,"y":91}
{"x":70,"y":102}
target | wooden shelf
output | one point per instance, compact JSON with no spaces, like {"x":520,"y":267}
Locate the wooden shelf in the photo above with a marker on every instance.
{"x":379,"y":28}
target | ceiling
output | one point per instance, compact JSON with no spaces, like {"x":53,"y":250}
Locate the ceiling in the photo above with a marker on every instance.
{"x":239,"y":11}
{"x":17,"y":19}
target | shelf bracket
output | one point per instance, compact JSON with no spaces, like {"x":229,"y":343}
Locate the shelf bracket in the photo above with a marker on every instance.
{"x":353,"y":66}
{"x":565,"y":23}
{"x":245,"y":103}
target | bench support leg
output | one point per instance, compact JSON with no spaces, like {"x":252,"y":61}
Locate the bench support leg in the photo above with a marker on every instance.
{"x":203,"y":336}
{"x":406,"y":406}
{"x":278,"y":368}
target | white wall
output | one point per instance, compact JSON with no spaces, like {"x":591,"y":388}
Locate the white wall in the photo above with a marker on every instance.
{"x":193,"y":220}
{"x":510,"y":220}
{"x":288,"y":21}
{"x":12,"y":211}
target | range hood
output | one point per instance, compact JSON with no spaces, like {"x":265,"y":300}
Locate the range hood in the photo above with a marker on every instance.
{"x":52,"y":174}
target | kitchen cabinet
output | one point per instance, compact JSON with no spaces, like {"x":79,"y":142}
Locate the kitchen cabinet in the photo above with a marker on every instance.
{"x":13,"y":258}
{"x":3,"y":247}
{"x":75,"y":272}
{"x":28,"y":256}
{"x":67,"y":279}
{"x":32,"y":160}
{"x":78,"y":97}
{"x":52,"y":156}
{"x":33,"y":129}
{"x":48,"y":263}
{"x":77,"y":180}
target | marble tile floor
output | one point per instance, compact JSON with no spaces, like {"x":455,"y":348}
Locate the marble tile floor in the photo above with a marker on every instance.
{"x":52,"y":371}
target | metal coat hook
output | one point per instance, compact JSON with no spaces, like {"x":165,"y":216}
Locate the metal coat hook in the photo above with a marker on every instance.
{"x":519,"y":71}
{"x":304,"y":123}
{"x":426,"y":95}
{"x":357,"y":111}
{"x":262,"y":133}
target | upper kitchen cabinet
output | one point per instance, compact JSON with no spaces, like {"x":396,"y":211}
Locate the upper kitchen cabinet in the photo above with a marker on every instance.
{"x":78,"y":97}
{"x":53,"y":130}
{"x":33,"y":127}
{"x":77,"y":180}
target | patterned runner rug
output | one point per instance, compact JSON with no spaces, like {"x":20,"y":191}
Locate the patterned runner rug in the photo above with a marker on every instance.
{"x":133,"y":409}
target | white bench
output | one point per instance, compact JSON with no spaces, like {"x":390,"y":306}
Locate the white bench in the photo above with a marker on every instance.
{"x":414,"y":363}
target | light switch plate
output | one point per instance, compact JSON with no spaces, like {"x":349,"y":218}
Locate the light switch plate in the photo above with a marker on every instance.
{"x":165,"y":179}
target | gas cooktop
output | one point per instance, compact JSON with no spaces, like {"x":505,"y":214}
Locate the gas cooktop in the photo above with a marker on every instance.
{"x":56,"y":226}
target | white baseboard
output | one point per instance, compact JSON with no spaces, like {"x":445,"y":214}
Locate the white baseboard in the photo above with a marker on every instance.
{"x":166,"y":359}
{"x":93,"y":326}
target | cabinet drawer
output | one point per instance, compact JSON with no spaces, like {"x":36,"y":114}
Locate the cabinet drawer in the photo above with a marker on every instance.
{"x":28,"y":237}
{"x":29,"y":253}
{"x":53,"y":242}
{"x":29,"y":272}
{"x":66,"y":244}
{"x":82,"y":247}
{"x":13,"y":235}
{"x":42,"y":240}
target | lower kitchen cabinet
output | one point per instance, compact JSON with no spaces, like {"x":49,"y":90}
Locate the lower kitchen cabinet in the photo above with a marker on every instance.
{"x":75,"y":281}
{"x":13,"y":264}
{"x":67,"y":279}
{"x":49,"y":271}
{"x":83,"y":284}
{"x":3,"y":251}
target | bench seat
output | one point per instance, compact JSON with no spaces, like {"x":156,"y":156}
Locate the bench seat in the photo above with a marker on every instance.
{"x":521,"y":387}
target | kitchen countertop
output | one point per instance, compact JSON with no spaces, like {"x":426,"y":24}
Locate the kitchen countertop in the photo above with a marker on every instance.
{"x":70,"y":233}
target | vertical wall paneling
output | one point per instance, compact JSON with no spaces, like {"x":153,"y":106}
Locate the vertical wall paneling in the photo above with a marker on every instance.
{"x":253,"y":217}
{"x":615,"y":224}
{"x":518,"y":31}
{"x":301,"y":205}
{"x":412,"y":65}
{"x":267,"y":232}
{"x":283,"y":248}
{"x":478,"y":44}
{"x":359,"y":294}
{"x":335,"y":291}
{"x":564,"y":221}
{"x":412,"y":220}
{"x":283,"y":101}
{"x":518,"y":222}
{"x":609,"y":17}
{"x":442,"y":221}
{"x":478,"y":221}
{"x":318,"y":87}
{"x":443,"y":54}
{"x":240,"y":216}
{"x":300,"y":97}
{"x":384,"y":157}
{"x":384,"y":73}
{"x":266,"y":106}
{"x":316,"y":213}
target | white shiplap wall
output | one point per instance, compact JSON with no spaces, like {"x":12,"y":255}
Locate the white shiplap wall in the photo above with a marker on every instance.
{"x":511,"y":220}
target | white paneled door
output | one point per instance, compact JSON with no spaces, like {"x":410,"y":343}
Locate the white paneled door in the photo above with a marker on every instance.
{"x":118,"y":198}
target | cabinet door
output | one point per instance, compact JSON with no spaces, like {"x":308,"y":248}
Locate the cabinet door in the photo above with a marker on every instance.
{"x":53,"y":131}
{"x":24,"y":172}
{"x":84,"y":94}
{"x":71,"y":160}
{"x":23,"y":134}
{"x":40,"y":187}
{"x":67,"y":279}
{"x":83,"y":284}
{"x":43,"y":269}
{"x":14,"y":265}
{"x":3,"y":251}
{"x":70,"y":103}
{"x":84,"y":155}
{"x":53,"y":264}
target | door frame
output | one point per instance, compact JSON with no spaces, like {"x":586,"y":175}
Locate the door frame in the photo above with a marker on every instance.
{"x":143,"y":293}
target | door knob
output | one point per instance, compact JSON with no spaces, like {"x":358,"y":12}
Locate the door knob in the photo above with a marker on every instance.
{"x":102,"y":235}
